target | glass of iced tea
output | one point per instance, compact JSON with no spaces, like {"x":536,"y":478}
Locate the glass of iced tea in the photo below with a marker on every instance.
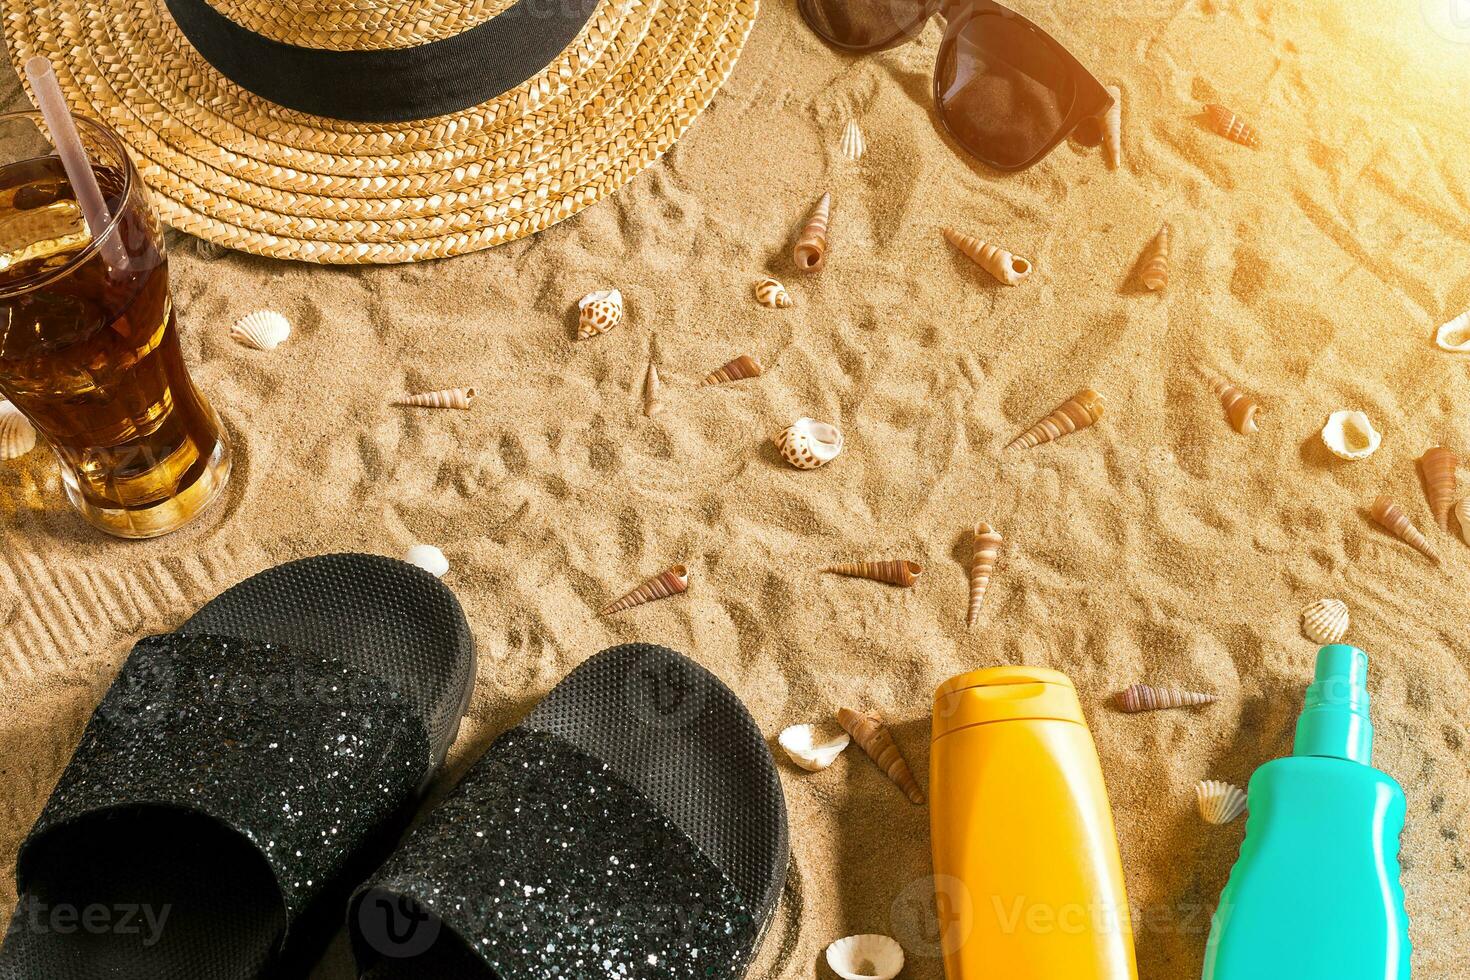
{"x":89,"y":350}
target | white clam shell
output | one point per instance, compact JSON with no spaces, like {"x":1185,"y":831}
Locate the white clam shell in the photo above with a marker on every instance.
{"x":865,"y":957}
{"x":262,"y":330}
{"x":1455,"y":335}
{"x":1219,"y":802}
{"x":429,"y":558}
{"x":1350,"y":435}
{"x":808,"y":444}
{"x":1325,"y":621}
{"x":17,"y":435}
{"x":853,"y":145}
{"x":813,"y":747}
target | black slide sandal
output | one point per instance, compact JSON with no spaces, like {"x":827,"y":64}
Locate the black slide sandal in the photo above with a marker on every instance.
{"x":241,"y":775}
{"x":632,"y":826}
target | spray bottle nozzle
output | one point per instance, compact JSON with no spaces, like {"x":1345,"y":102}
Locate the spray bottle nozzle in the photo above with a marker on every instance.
{"x":1334,"y":721}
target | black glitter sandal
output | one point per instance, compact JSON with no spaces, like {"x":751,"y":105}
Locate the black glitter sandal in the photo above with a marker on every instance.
{"x":241,"y":776}
{"x":632,"y":826}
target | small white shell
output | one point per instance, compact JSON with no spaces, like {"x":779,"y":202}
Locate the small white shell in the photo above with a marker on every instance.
{"x":600,"y":312}
{"x":808,"y":444}
{"x":813,"y":748}
{"x":853,"y":144}
{"x":429,"y":558}
{"x":770,"y":292}
{"x":1219,"y":802}
{"x":262,"y":330}
{"x":17,"y":435}
{"x":1455,"y":335}
{"x":1350,"y":435}
{"x":1325,"y":621}
{"x":865,"y":957}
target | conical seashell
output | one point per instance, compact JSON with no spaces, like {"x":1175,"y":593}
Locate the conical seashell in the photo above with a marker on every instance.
{"x":808,"y":444}
{"x":1232,"y":127}
{"x":810,"y":253}
{"x":17,"y":435}
{"x":865,"y":957}
{"x":1462,"y":514}
{"x":1155,"y":271}
{"x":1350,"y":435}
{"x":770,"y":292}
{"x":666,"y":583}
{"x":429,"y":558}
{"x":1112,"y":129}
{"x":813,"y":747}
{"x":1077,"y":412}
{"x":1240,"y":408}
{"x":902,"y":573}
{"x":1142,"y":697}
{"x":598,"y":313}
{"x":874,"y":738}
{"x":853,"y":145}
{"x":1455,"y":335}
{"x":1004,"y":266}
{"x":1325,"y":621}
{"x":739,"y":369}
{"x":1219,"y":802}
{"x":461,"y":398}
{"x":1437,"y":470}
{"x":1391,"y":517}
{"x":984,"y":550}
{"x":652,"y":403}
{"x":262,"y":330}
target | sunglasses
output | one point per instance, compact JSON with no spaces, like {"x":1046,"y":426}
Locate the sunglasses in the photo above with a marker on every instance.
{"x":1006,"y":90}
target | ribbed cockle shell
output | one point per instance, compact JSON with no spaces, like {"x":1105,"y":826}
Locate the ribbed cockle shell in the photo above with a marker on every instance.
{"x":902,"y":573}
{"x":1462,"y":514}
{"x":17,"y":435}
{"x":984,"y":550}
{"x":874,"y":738}
{"x":1003,"y":265}
{"x":1391,"y":517}
{"x":1155,"y":271}
{"x":1437,"y":469}
{"x":1142,"y":697}
{"x":738,"y":369}
{"x":598,"y":313}
{"x":261,"y":330}
{"x":808,"y":444}
{"x":1219,"y":802}
{"x":461,"y":398}
{"x":810,"y":252}
{"x":666,"y":583}
{"x":1232,"y":127}
{"x":770,"y":292}
{"x":853,"y":145}
{"x":1077,"y":412}
{"x":1325,"y":621}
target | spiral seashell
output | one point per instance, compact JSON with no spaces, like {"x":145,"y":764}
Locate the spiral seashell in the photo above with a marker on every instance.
{"x":1232,"y":127}
{"x":810,"y":253}
{"x":1391,"y":517}
{"x":1219,"y":802}
{"x":1155,"y":271}
{"x":17,"y":435}
{"x":1325,"y":621}
{"x":1142,"y":697}
{"x":984,"y":550}
{"x":808,"y":444}
{"x":1112,"y":129}
{"x":1350,"y":435}
{"x":770,"y":292}
{"x":739,"y":369}
{"x":1003,"y":265}
{"x":461,"y":398}
{"x":667,"y":583}
{"x":1455,"y":335}
{"x":1437,"y":470}
{"x":853,"y":145}
{"x":1462,"y":514}
{"x":1240,"y":408}
{"x":261,"y":330}
{"x":429,"y":558}
{"x":874,"y":738}
{"x":865,"y":957}
{"x":1077,"y":412}
{"x":598,"y":313}
{"x":902,"y":573}
{"x":812,"y":747}
{"x":652,"y":402}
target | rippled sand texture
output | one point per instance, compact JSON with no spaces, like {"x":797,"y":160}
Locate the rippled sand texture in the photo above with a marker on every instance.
{"x":1159,"y":545}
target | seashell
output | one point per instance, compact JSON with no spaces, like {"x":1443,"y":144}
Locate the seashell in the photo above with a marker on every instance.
{"x":1004,"y":266}
{"x":261,"y":330}
{"x":1350,"y":435}
{"x":865,"y":957}
{"x":808,"y":444}
{"x":1219,"y":802}
{"x":429,"y":558}
{"x":461,"y":398}
{"x":1077,"y":412}
{"x":874,"y":738}
{"x":1232,"y":127}
{"x":1462,"y":514}
{"x":853,"y":145}
{"x":901,"y":572}
{"x":983,"y":552}
{"x":813,"y":747}
{"x":599,"y":313}
{"x":1325,"y":621}
{"x":1455,"y":335}
{"x":1112,"y":129}
{"x":770,"y":292}
{"x":666,"y":583}
{"x":810,"y":253}
{"x":652,"y":403}
{"x":1437,"y":471}
{"x":17,"y":435}
{"x":1142,"y":697}
{"x":739,"y":369}
{"x":1391,"y":517}
{"x":1240,"y":408}
{"x":1155,"y":271}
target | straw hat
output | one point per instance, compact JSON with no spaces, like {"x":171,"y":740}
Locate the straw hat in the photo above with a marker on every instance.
{"x":384,"y":130}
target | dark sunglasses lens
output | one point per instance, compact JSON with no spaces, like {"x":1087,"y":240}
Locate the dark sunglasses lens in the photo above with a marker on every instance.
{"x":864,"y":24}
{"x":1004,"y":89}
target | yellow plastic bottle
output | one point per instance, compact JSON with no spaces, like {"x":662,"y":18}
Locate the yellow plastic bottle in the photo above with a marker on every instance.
{"x":1028,"y":881}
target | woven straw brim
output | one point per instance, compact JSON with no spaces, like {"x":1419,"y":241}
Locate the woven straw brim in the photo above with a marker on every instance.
{"x":234,"y":169}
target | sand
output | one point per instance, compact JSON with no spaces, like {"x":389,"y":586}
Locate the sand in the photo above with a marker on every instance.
{"x":1159,"y":545}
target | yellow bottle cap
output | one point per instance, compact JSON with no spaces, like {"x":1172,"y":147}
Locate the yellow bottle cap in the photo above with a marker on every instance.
{"x":1004,"y":694}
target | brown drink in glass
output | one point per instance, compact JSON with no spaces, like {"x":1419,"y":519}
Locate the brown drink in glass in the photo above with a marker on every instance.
{"x":89,"y":348}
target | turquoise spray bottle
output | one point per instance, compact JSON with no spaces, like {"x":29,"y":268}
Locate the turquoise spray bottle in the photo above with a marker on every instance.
{"x":1315,"y":894}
